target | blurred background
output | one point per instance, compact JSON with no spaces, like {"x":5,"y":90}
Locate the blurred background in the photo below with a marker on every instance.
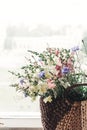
{"x":26,"y":24}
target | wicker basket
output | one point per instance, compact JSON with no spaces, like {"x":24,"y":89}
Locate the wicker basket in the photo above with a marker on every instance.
{"x":63,"y":114}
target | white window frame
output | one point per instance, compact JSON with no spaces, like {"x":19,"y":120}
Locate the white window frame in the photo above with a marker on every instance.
{"x":20,"y":120}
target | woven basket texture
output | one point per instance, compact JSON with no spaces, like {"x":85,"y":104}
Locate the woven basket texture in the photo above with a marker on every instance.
{"x":61,"y":114}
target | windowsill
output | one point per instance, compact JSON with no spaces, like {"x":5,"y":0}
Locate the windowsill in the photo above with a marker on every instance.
{"x":20,"y":119}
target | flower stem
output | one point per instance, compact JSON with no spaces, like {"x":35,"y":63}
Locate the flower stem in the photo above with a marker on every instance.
{"x":84,"y":46}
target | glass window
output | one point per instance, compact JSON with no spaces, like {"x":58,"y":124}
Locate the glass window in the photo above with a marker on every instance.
{"x":24,"y":25}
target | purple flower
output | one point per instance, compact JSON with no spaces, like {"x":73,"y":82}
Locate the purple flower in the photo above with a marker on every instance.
{"x":22,"y":81}
{"x":75,"y":48}
{"x":65,"y":70}
{"x":41,"y":74}
{"x":39,"y":59}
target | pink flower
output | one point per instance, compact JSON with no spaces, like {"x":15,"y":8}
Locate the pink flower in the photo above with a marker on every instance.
{"x":59,"y":74}
{"x":58,"y":71}
{"x":56,"y":52}
{"x":70,"y":64}
{"x":59,"y":62}
{"x":51,"y":84}
{"x":58,"y":67}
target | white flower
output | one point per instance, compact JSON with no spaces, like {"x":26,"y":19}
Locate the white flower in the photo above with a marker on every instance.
{"x":48,"y":99}
{"x":64,"y":83}
{"x":33,"y":89}
{"x":49,"y":68}
{"x":49,"y":62}
{"x":42,"y":88}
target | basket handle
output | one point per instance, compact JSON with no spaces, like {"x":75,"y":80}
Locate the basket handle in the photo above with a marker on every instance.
{"x":76,"y":85}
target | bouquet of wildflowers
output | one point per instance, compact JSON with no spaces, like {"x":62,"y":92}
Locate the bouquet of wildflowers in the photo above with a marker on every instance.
{"x":50,"y":73}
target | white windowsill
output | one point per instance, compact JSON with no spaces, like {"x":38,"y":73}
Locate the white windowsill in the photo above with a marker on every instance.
{"x":20,"y":119}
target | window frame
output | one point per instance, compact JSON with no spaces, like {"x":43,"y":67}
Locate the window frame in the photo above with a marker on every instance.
{"x":23,"y":120}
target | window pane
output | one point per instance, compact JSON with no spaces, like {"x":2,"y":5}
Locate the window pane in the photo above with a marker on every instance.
{"x":12,"y":56}
{"x":26,"y":24}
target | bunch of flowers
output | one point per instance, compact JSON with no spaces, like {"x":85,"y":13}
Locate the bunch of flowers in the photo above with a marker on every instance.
{"x":50,"y":73}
